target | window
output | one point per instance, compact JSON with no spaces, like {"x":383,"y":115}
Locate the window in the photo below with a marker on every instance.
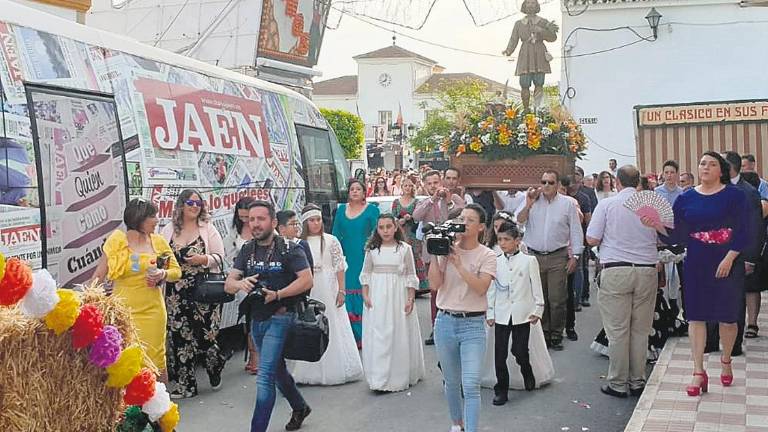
{"x":319,"y":166}
{"x":385,"y":118}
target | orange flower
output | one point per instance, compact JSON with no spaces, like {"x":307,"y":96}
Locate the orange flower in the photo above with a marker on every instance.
{"x":461,"y":149}
{"x":476,"y":145}
{"x":511,"y":113}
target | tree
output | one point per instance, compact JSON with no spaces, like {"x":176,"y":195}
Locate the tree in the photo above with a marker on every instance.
{"x":457,"y":101}
{"x":349,"y":130}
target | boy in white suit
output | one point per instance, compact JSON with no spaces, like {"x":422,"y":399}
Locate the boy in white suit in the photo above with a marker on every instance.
{"x":515,"y":301}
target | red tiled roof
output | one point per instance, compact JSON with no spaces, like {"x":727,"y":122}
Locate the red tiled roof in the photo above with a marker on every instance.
{"x":393,"y":51}
{"x":344,"y":85}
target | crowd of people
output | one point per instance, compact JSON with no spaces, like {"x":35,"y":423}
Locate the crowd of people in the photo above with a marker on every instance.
{"x":512,"y":281}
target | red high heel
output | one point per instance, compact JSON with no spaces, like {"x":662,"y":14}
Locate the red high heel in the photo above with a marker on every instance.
{"x":726,"y":380}
{"x":697,"y":390}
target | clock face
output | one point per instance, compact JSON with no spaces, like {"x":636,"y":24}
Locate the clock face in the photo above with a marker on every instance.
{"x":385,"y":80}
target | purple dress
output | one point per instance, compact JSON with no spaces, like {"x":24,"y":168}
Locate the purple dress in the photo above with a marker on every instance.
{"x":710,"y":226}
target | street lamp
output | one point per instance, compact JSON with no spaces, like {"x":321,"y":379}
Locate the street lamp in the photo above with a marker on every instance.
{"x":653,"y":18}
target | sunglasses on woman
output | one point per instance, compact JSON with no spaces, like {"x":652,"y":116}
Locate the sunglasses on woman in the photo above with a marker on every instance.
{"x":194,"y":203}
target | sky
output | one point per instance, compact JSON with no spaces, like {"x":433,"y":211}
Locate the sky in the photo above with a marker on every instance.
{"x":354,"y":37}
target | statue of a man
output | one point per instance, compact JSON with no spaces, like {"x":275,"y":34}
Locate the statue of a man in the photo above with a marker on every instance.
{"x":533,"y":61}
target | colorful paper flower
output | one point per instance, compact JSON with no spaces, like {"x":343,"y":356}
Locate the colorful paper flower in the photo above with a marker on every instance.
{"x":159,"y":404}
{"x":125,"y":368}
{"x":42,"y":298}
{"x":61,"y":318}
{"x":88,"y":326}
{"x":16,"y":282}
{"x":170,"y":419}
{"x":106,"y":348}
{"x":141,"y":388}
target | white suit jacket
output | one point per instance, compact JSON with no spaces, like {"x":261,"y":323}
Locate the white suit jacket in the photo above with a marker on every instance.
{"x":516,"y":292}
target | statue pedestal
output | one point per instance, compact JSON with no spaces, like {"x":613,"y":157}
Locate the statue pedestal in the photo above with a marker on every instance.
{"x":506,"y":174}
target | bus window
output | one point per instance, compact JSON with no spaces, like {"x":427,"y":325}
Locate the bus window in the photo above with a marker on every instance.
{"x":342,"y":168}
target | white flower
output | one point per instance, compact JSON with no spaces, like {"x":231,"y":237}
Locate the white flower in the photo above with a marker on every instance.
{"x":522,"y":139}
{"x":159,"y":404}
{"x":546,"y":132}
{"x":42,"y":298}
{"x":522,"y":128}
{"x":486,"y":139}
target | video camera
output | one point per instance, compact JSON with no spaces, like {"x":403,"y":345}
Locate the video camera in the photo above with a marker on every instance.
{"x":440,"y":237}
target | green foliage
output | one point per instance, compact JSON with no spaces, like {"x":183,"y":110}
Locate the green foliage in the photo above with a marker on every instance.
{"x":349,"y":130}
{"x":434,"y":132}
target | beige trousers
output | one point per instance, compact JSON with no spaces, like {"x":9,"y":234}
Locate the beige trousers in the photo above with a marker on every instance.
{"x":627,"y":299}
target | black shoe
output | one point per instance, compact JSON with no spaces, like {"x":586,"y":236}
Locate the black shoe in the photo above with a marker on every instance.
{"x":500,"y":399}
{"x":611,"y":392}
{"x":637,"y":391}
{"x":571,"y":335}
{"x":585,"y":303}
{"x":215,"y":381}
{"x":297,"y":418}
{"x":556,"y":345}
{"x":528,"y":379}
{"x":577,"y":307}
{"x":430,"y":340}
{"x":737,"y":351}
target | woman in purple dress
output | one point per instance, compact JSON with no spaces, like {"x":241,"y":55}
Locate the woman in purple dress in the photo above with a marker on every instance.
{"x":710,"y":219}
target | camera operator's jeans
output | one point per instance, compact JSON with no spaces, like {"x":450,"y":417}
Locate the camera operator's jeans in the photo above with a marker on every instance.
{"x":460,"y":346}
{"x":269,"y":337}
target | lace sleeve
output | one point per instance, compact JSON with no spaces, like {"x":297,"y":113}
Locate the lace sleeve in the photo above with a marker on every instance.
{"x":409,"y":272}
{"x":338,"y":261}
{"x":365,"y":273}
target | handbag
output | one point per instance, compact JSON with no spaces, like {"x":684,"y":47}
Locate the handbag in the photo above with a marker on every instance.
{"x":308,"y":337}
{"x":209,"y":286}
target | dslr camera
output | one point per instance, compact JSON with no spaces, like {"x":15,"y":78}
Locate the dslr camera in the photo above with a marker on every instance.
{"x":440,"y":238}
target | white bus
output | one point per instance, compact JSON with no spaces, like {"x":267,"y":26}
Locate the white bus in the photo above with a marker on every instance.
{"x":91,"y":119}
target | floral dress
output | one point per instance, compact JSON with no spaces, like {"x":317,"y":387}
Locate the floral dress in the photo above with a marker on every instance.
{"x":192,"y":328}
{"x":409,"y":230}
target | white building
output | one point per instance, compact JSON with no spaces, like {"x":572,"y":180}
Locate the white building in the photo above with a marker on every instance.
{"x":393,"y":82}
{"x":706,"y":50}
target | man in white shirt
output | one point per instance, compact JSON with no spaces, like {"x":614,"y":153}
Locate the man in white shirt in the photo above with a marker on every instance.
{"x":628,"y":284}
{"x":612,"y":164}
{"x":552,"y":225}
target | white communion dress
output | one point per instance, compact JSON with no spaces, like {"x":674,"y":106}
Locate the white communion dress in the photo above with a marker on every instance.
{"x":393,"y":357}
{"x":341,"y":362}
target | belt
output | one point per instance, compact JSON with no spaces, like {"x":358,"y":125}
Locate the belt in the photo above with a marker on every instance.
{"x":462,"y":314}
{"x":626,"y":264}
{"x":535,"y":252}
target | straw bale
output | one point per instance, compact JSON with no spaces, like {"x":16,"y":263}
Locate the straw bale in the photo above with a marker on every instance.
{"x":46,"y":385}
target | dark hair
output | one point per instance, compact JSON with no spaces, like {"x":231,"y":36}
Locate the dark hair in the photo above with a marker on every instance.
{"x":579,"y":170}
{"x":644,"y":184}
{"x":510,"y":228}
{"x":265,"y":204}
{"x":690,"y":175}
{"x":283,"y":216}
{"x":611,"y":160}
{"x":431,"y":173}
{"x":305,"y":225}
{"x":734,"y":160}
{"x":242,"y":204}
{"x":751,"y":178}
{"x":629,"y":177}
{"x":551,"y":171}
{"x":453,"y":169}
{"x":749,"y":157}
{"x":178,"y":210}
{"x":524,"y":8}
{"x":672,"y":164}
{"x":479,"y":210}
{"x":375,"y":241}
{"x":490,"y":237}
{"x":599,"y":185}
{"x":376,"y":185}
{"x":566,"y":181}
{"x":136,"y":212}
{"x":725,"y":169}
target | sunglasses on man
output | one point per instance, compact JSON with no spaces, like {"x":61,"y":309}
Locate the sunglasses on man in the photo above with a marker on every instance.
{"x":548,"y":182}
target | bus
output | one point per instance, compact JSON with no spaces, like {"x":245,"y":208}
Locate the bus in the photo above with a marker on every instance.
{"x":92,"y":119}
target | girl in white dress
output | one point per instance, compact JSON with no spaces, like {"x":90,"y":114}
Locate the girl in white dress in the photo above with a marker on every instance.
{"x":392,"y":354}
{"x":341,"y":362}
{"x":515,"y":306}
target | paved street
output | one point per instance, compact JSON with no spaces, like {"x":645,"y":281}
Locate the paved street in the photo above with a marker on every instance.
{"x":573,"y":402}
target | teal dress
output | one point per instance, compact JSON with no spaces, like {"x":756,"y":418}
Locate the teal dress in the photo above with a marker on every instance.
{"x":353,"y":235}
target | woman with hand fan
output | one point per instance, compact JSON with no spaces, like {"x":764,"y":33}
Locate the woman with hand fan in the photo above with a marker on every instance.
{"x":710,"y":220}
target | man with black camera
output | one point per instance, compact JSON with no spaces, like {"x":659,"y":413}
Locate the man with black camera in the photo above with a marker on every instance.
{"x":435,"y":210}
{"x":553,"y":234}
{"x":276,"y":276}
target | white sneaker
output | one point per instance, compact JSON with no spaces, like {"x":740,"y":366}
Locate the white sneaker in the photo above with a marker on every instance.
{"x":456,"y":428}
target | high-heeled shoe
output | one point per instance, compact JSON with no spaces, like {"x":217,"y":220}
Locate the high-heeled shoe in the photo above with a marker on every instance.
{"x":726,"y":380}
{"x":697,"y":390}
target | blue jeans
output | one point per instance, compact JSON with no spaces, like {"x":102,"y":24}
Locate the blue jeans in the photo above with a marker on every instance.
{"x":460,"y":344}
{"x":269,"y":337}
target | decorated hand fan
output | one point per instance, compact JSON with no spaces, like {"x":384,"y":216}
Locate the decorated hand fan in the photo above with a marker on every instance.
{"x":652,"y":205}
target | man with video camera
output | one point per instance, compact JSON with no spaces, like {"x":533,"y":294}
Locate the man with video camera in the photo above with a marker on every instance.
{"x":276,"y":276}
{"x":461,"y":279}
{"x":435,"y":210}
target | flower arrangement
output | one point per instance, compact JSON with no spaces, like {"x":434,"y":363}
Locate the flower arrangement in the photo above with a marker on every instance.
{"x":507,"y":132}
{"x":63,"y":312}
